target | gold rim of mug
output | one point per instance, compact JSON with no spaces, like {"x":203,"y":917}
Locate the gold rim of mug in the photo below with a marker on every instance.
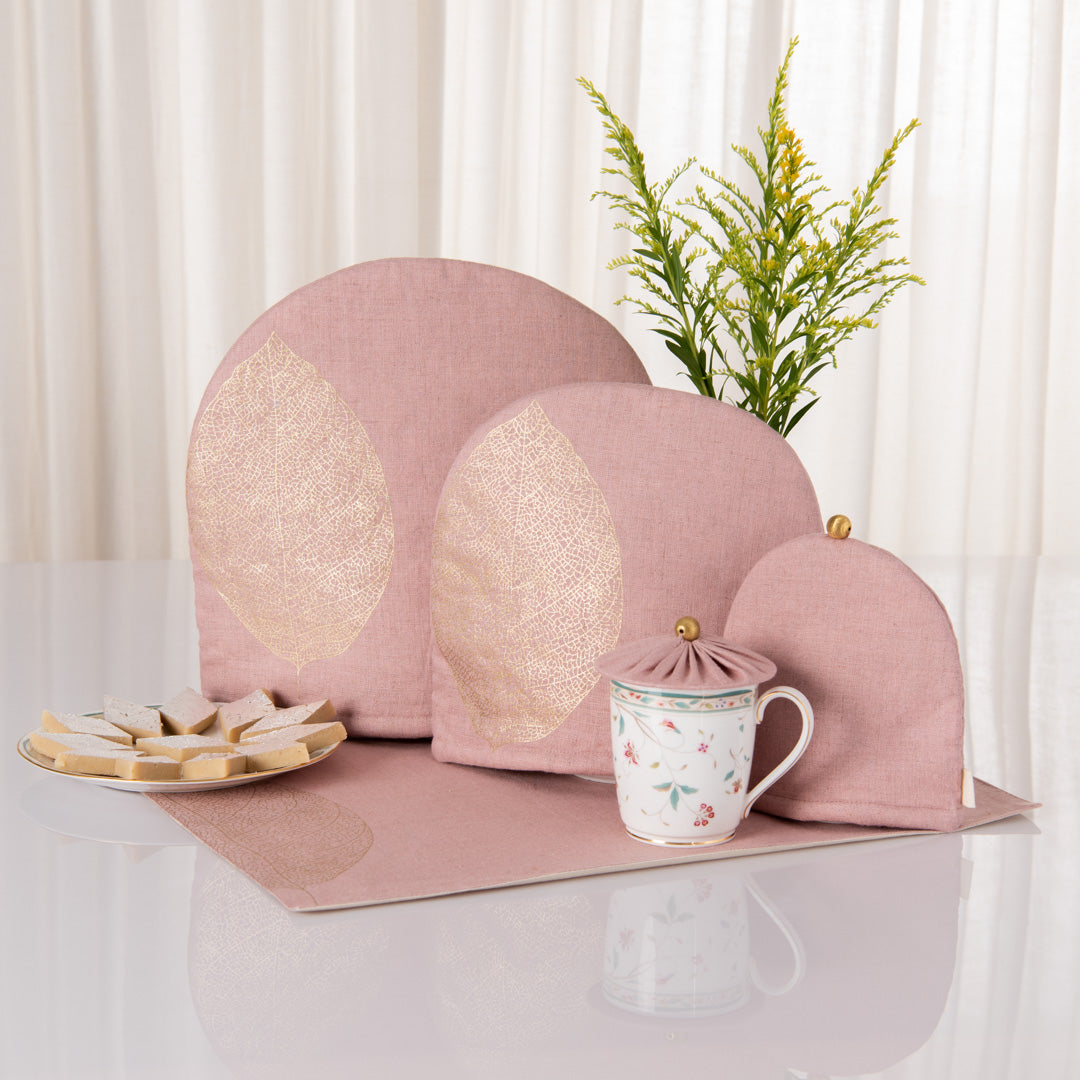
{"x":678,"y":843}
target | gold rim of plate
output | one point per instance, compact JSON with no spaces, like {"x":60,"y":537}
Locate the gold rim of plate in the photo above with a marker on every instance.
{"x":28,"y":753}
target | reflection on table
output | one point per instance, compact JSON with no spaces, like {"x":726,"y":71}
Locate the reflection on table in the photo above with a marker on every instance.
{"x":492,"y":981}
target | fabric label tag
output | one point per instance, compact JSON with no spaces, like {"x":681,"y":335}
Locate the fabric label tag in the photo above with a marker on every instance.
{"x":967,"y":789}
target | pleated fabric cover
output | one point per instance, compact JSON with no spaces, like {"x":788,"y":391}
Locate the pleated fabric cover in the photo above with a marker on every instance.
{"x":315,"y":465}
{"x":700,"y":665}
{"x":577,"y":519}
{"x":872,"y":647}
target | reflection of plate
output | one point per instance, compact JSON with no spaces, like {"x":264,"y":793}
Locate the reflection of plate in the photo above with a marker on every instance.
{"x":170,"y":787}
{"x":82,"y":812}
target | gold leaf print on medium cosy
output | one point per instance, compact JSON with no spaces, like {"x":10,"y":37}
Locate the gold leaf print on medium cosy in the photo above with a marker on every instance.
{"x":288,"y":507}
{"x":526,"y":580}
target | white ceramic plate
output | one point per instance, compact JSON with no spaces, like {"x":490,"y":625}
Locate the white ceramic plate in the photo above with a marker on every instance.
{"x":163,"y":787}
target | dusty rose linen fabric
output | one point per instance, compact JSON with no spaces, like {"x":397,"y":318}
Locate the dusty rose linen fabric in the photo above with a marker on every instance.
{"x":317,"y":457}
{"x":872,"y":648}
{"x":577,"y":519}
{"x":669,"y":662}
{"x":382,"y":820}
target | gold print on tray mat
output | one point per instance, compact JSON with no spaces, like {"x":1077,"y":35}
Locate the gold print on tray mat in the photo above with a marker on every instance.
{"x":283,"y":837}
{"x":288,"y":507}
{"x":526,"y":580}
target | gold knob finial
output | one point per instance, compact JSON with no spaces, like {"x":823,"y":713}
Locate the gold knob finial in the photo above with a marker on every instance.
{"x":838,"y":526}
{"x":688,"y":628}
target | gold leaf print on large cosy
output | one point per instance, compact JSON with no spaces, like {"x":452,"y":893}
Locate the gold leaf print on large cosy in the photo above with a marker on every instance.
{"x":288,"y":507}
{"x":526,"y":580}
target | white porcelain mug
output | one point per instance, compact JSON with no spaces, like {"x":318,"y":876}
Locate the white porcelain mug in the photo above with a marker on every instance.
{"x":682,"y":760}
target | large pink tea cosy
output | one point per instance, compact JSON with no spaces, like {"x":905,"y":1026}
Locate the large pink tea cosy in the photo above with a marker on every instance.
{"x":576,"y":519}
{"x":316,"y":461}
{"x":872,"y":647}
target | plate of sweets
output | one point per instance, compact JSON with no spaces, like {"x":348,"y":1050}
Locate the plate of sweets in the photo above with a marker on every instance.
{"x":186,"y":744}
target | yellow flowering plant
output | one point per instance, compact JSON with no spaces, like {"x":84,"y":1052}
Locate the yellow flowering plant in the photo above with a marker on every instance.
{"x":755,"y":294}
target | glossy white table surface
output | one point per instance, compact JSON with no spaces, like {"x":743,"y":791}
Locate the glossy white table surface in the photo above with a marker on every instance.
{"x":129,"y":950}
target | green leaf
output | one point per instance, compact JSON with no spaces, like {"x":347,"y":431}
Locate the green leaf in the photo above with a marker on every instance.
{"x":758,"y":336}
{"x":680,"y":349}
{"x":662,"y":787}
{"x":674,"y":797}
{"x":800,"y":414}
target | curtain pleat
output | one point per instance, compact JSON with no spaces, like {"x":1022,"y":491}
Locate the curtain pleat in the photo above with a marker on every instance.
{"x":172,"y":169}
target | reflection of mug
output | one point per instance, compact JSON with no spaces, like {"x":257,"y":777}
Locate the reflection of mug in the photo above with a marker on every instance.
{"x":682,"y":760}
{"x":683,"y":949}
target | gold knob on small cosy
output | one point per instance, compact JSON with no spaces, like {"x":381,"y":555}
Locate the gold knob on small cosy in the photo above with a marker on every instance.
{"x":688,"y":628}
{"x":838,"y":526}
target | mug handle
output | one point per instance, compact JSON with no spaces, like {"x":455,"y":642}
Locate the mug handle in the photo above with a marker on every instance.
{"x":800,"y":747}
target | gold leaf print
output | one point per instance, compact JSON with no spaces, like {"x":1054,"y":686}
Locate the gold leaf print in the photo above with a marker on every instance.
{"x":288,"y":507}
{"x":283,"y":837}
{"x":526,"y":580}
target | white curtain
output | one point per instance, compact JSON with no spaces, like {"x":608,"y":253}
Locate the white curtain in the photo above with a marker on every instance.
{"x":173,"y":167}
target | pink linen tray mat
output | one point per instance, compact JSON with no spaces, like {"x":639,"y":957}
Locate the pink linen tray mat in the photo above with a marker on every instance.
{"x":383,"y":821}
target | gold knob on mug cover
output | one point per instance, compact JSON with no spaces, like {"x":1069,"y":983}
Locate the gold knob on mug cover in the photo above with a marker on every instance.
{"x":838,"y":526}
{"x":688,"y":628}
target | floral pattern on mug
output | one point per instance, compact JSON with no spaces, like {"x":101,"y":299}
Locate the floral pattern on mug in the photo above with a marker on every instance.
{"x":735,"y":777}
{"x":665,"y":747}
